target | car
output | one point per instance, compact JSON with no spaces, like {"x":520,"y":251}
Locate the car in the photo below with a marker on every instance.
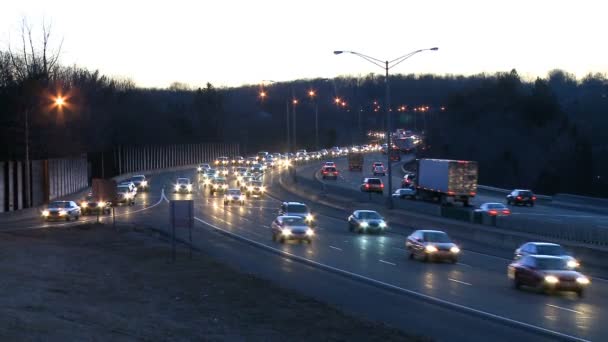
{"x":329,"y":172}
{"x":256,"y":169}
{"x":329,"y":164}
{"x":125,"y":194}
{"x":493,"y":209}
{"x":372,"y":185}
{"x":546,"y":273}
{"x":130,"y":185}
{"x":335,"y":151}
{"x":255,"y":188}
{"x":545,"y":248}
{"x":183,"y":185}
{"x":202,"y":168}
{"x":251,"y":160}
{"x":324,"y":152}
{"x":248,"y":178}
{"x":288,"y":227}
{"x":297,"y":209}
{"x":89,"y":205}
{"x":521,"y":197}
{"x":408,"y":180}
{"x":379,"y":171}
{"x":61,"y":210}
{"x":409,"y":192}
{"x":431,"y":245}
{"x":223,"y":171}
{"x":210,"y":173}
{"x":268,"y":163}
{"x":238,"y":160}
{"x":384,"y":148}
{"x":262,"y":155}
{"x":140,"y":182}
{"x":363,"y":221}
{"x":218,"y":185}
{"x":376,"y":164}
{"x":276,"y":156}
{"x":234,"y":196}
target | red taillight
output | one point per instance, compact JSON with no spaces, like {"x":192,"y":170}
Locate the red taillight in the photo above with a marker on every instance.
{"x":382,"y":185}
{"x":472,"y":193}
{"x":519,"y":197}
{"x":451,"y":193}
{"x":325,"y":171}
{"x":534,"y":198}
{"x":507,"y":212}
{"x":367,"y":186}
{"x":493,"y":212}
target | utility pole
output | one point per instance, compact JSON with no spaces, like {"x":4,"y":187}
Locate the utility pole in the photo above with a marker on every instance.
{"x":28,"y":202}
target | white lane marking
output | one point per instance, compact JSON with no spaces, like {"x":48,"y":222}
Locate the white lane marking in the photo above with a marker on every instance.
{"x":488,"y":255}
{"x":389,"y":263}
{"x":336,"y":248}
{"x":404,"y":290}
{"x":566,"y":309}
{"x":465,"y":265}
{"x":460,"y":282}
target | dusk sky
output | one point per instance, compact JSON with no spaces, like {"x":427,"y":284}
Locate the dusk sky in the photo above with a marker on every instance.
{"x":234,"y":42}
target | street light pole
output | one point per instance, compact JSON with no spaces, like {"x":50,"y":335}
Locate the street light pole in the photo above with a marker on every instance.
{"x":28,"y":202}
{"x":317,"y":125}
{"x":386,"y":65}
{"x":295,"y":146}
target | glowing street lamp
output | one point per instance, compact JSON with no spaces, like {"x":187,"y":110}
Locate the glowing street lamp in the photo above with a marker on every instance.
{"x":59,"y":101}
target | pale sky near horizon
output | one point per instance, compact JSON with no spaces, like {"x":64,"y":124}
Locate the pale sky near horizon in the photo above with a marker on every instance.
{"x":235,"y":42}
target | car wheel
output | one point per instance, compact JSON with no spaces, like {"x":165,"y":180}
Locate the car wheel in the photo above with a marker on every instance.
{"x":454,"y":260}
{"x":350,"y":227}
{"x":77,"y":217}
{"x":309,"y":241}
{"x":359,"y":231}
{"x":426,"y":258}
{"x":274,"y":237}
{"x":282,"y":240}
{"x":516,"y":283}
{"x":531,"y":204}
{"x":580,"y":293}
{"x":67,"y":218}
{"x":411,"y":256}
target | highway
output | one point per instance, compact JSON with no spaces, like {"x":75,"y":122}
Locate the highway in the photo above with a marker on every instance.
{"x":371,"y":274}
{"x":542,"y":213}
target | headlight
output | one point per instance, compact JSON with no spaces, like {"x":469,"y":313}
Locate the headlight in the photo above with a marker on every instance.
{"x":551,"y":279}
{"x":83,"y":204}
{"x":144,"y":183}
{"x":382,"y":225}
{"x":430,"y":249}
{"x":176,"y":187}
{"x":199,"y":169}
{"x":250,"y":188}
{"x":239,"y":178}
{"x":242,"y":197}
{"x":363,"y":224}
{"x":128,"y":196}
{"x":189,"y":186}
{"x":286,"y":231}
{"x":45,"y":213}
{"x":263,"y":188}
{"x":573,"y":263}
{"x":310,"y":232}
{"x":309,"y":217}
{"x":455,"y":250}
{"x":582,"y":280}
{"x":63,"y":213}
{"x":101,"y":204}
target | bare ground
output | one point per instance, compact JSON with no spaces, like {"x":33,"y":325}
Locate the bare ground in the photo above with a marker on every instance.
{"x":91,"y":283}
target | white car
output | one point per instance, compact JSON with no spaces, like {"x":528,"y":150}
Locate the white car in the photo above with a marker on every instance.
{"x":183,"y":185}
{"x":201,"y":168}
{"x":234,"y":196}
{"x":131,"y":185}
{"x":61,"y":210}
{"x":366,"y":221}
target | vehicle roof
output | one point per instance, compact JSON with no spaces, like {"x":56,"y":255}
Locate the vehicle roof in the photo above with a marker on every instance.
{"x":294,"y":203}
{"x":544,"y":243}
{"x":493,"y":203}
{"x":239,"y":190}
{"x":368,"y":178}
{"x":366,"y":211}
{"x":60,"y":202}
{"x":430,"y":231}
{"x":522,"y":190}
{"x":290,"y":216}
{"x":539,"y":256}
{"x":139,"y":176}
{"x":184,"y":178}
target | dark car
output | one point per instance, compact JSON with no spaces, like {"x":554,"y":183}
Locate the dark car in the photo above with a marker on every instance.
{"x":546,"y":273}
{"x":287,"y":227}
{"x":372,"y":185}
{"x":545,"y":248}
{"x":366,"y":221}
{"x":408,"y":180}
{"x":329,"y":172}
{"x":521,"y":197}
{"x":89,"y":205}
{"x":297,"y":209}
{"x":431,"y":245}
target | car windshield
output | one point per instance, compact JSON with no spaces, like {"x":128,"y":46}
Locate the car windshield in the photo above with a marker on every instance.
{"x":369,"y":215}
{"x":138,"y":178}
{"x":183,"y":181}
{"x":293,"y":221}
{"x":436,"y":237}
{"x":122,"y":189}
{"x":551,"y":264}
{"x":59,"y":205}
{"x":495,"y":206}
{"x":220,"y":180}
{"x":374,"y":181}
{"x":297,"y":208}
{"x":550,"y":250}
{"x":234,"y":192}
{"x":525,"y":193}
{"x":256,"y":183}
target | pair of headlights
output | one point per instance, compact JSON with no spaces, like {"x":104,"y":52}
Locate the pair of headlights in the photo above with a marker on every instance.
{"x":552,"y":280}
{"x":433,"y":249}
{"x":46,"y":213}
{"x":365,"y":225}
{"x":287,"y":232}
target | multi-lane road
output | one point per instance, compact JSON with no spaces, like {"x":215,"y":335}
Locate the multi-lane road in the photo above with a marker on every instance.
{"x":542,"y":212}
{"x":371,"y":275}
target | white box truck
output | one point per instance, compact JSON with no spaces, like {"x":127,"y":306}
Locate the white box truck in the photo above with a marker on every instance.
{"x":446,"y":180}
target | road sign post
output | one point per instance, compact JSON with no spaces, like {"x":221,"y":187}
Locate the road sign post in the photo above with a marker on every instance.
{"x":182,"y":216}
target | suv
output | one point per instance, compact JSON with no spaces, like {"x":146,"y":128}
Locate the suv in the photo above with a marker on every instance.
{"x":297,"y":209}
{"x":379,"y":171}
{"x":525,"y":197}
{"x":329,"y":172}
{"x":372,"y":185}
{"x":376,"y":164}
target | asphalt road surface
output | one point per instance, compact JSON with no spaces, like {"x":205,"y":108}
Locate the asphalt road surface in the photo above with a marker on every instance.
{"x":478,"y":283}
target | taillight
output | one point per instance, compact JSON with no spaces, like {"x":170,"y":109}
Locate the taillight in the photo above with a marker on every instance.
{"x":519,"y":197}
{"x":534,"y":198}
{"x":366,"y":186}
{"x":506,"y":212}
{"x":472,"y":193}
{"x":493,"y":212}
{"x":382,"y":185}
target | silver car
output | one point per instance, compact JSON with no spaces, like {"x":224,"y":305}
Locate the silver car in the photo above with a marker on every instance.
{"x":493,"y":209}
{"x":61,"y":210}
{"x":286,"y":228}
{"x":366,"y":221}
{"x":546,"y":248}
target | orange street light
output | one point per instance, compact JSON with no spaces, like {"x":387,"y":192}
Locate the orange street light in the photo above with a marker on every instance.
{"x":337,"y":100}
{"x":311,"y":93}
{"x":59,"y":101}
{"x":295,"y":101}
{"x":262,"y":94}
